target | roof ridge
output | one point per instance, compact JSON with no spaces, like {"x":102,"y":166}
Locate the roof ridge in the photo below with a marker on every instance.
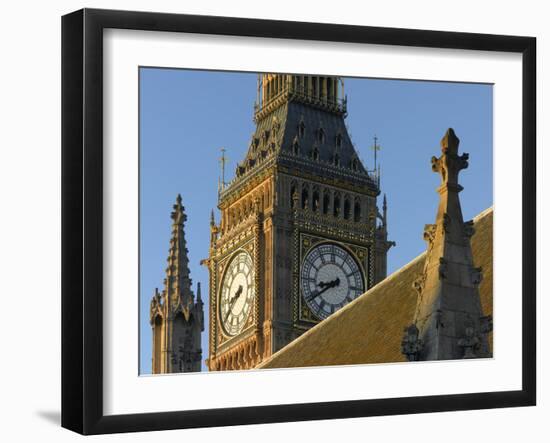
{"x":483,"y":213}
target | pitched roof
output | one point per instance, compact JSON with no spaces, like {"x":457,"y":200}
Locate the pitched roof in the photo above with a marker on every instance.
{"x":370,"y":329}
{"x":278,"y":139}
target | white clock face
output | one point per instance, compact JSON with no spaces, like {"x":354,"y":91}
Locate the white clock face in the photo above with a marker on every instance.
{"x":330,"y":278}
{"x":237,"y":293}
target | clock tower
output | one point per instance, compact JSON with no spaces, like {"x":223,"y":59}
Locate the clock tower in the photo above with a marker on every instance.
{"x":300,"y":233}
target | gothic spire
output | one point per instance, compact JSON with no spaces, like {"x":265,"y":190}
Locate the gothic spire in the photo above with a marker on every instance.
{"x":448,"y":322}
{"x":178,"y":282}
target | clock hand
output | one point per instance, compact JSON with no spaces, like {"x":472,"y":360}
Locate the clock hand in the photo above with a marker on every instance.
{"x":233,"y":301}
{"x":326,"y":286}
{"x":330,"y":284}
{"x":239,"y":291}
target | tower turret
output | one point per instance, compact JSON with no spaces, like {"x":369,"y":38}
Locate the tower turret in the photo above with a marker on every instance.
{"x":177,"y":321}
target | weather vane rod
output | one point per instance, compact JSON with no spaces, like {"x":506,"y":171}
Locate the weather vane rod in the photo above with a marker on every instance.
{"x":376,"y":147}
{"x":223,"y":161}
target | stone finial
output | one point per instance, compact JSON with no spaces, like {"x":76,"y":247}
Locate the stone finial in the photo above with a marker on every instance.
{"x":155,"y":306}
{"x":178,"y":214}
{"x":212,"y":220}
{"x":450,"y":142}
{"x":450,"y":163}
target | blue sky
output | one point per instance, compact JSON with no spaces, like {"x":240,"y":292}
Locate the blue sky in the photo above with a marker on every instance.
{"x":186,"y":117}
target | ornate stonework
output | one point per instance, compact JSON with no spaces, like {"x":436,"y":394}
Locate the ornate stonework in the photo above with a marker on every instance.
{"x":177,"y":320}
{"x":448,"y":322}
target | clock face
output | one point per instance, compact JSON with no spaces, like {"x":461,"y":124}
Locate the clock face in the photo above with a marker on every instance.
{"x":237,"y":293}
{"x":330,"y":278}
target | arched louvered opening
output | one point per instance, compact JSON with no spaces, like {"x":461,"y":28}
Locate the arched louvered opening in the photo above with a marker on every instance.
{"x":357,"y":212}
{"x":315,"y":154}
{"x":321,"y":135}
{"x":314,"y":86}
{"x":296,"y":147}
{"x":347,"y":209}
{"x":336,"y":208}
{"x":305,"y":198}
{"x":326,"y":203}
{"x":299,"y":84}
{"x":315,"y":200}
{"x":292,"y":195}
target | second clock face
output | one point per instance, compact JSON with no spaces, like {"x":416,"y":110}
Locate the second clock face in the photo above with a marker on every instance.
{"x":330,"y":278}
{"x":237,"y":293}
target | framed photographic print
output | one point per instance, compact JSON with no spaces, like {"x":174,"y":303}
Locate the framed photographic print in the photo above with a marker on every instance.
{"x":270,"y":221}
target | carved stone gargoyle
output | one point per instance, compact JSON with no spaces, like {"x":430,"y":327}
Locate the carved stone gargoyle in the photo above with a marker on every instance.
{"x":411,"y":345}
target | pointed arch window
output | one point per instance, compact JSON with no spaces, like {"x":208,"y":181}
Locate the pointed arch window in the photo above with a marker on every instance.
{"x":302,"y":129}
{"x":315,"y":154}
{"x":355,"y":164}
{"x":338,"y":141}
{"x":336,"y":159}
{"x":321,"y":135}
{"x":296,"y":147}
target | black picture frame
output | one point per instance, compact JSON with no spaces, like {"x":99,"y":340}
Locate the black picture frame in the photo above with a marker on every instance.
{"x":82,"y":218}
